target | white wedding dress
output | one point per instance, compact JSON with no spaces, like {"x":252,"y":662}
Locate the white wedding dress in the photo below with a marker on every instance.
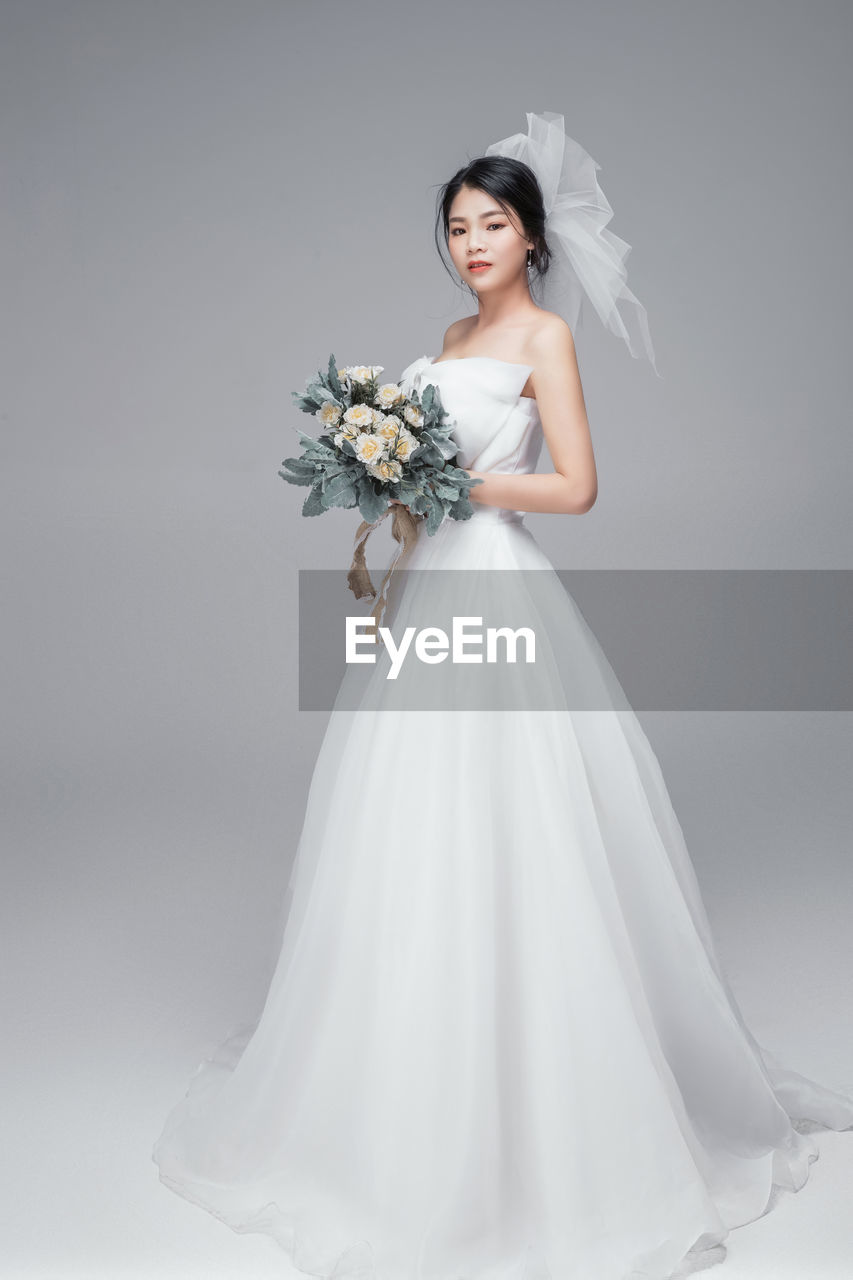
{"x":498,"y":1043}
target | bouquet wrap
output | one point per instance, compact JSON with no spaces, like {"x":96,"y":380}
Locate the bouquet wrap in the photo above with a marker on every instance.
{"x":404,"y":528}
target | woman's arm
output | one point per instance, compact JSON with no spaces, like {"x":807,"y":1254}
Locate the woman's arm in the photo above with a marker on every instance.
{"x":548,"y":493}
{"x":572,"y":487}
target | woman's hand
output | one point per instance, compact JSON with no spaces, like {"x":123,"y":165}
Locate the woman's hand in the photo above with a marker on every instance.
{"x":395,"y":502}
{"x":473,"y":495}
{"x":475,"y":475}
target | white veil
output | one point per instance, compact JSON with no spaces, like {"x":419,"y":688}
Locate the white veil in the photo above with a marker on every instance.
{"x":587,"y":259}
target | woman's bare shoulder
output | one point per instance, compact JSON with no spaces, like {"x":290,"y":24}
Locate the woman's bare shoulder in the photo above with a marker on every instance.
{"x":455,"y":332}
{"x":550,"y":338}
{"x":550,"y":327}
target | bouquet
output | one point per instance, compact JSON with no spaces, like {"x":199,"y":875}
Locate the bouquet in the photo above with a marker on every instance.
{"x":377,"y":445}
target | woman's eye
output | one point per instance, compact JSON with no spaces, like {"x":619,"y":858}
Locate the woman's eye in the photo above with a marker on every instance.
{"x":488,"y":228}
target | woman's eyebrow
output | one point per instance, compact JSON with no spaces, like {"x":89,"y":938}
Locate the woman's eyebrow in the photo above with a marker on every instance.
{"x":488,"y":214}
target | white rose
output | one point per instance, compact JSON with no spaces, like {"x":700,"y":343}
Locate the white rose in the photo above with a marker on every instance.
{"x":359,"y":415}
{"x":388,"y":427}
{"x":406,"y":446}
{"x":388,"y":394}
{"x":387,"y":469}
{"x":364,"y":372}
{"x":369,"y":448}
{"x":329,"y":413}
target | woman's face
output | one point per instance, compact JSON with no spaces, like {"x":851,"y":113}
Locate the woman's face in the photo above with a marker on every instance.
{"x":480,"y":231}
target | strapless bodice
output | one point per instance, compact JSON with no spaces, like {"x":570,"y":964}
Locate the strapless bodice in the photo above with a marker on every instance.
{"x":496,"y":428}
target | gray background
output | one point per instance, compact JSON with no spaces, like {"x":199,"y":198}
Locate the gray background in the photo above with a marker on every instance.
{"x":200,"y":201}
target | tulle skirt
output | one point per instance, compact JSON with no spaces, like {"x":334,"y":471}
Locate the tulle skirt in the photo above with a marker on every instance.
{"x":498,"y":1043}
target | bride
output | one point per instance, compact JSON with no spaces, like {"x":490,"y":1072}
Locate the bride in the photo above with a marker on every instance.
{"x":498,"y":1043}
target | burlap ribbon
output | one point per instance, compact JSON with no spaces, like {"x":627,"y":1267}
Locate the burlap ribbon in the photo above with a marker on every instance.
{"x":404,"y":527}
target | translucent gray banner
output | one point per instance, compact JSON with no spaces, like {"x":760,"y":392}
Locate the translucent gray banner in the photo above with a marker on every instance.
{"x":684,"y":640}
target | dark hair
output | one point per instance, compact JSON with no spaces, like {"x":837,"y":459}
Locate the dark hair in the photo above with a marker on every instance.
{"x":509,"y":182}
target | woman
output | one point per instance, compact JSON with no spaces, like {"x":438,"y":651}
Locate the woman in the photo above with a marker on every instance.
{"x":498,"y":1041}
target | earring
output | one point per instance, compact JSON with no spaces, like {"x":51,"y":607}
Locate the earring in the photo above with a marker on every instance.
{"x":529,"y":259}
